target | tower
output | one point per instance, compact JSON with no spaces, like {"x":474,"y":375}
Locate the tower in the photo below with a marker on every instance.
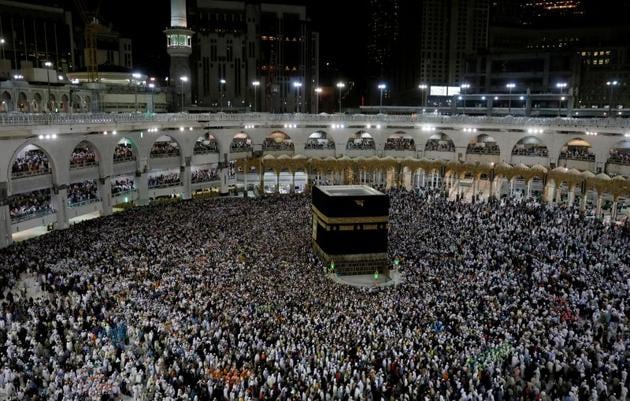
{"x":179,"y":48}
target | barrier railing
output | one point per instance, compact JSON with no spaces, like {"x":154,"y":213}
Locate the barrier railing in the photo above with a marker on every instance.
{"x":18,"y":119}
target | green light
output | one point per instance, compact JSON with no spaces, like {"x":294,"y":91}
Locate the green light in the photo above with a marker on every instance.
{"x":396,"y":262}
{"x":126,"y":199}
{"x":376,"y":275}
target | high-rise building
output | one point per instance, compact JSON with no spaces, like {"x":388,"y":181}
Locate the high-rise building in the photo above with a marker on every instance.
{"x":31,"y":35}
{"x":238,"y":43}
{"x":424,"y":41}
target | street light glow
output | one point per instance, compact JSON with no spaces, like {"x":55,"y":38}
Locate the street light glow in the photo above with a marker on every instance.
{"x":256,"y":83}
{"x":511,"y":85}
{"x":297,"y":84}
{"x":423,"y":86}
{"x":48,"y":64}
{"x":136,"y":75}
{"x":318,"y":90}
{"x":561,"y":85}
{"x":612,"y":83}
{"x":465,"y":86}
{"x":382,"y":86}
{"x":341,"y":85}
{"x":183,"y":79}
{"x":222,"y":81}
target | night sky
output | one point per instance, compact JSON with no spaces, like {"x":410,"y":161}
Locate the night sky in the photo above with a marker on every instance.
{"x":341,"y":24}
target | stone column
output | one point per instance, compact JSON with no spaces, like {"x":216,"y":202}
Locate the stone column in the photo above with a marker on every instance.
{"x":550,"y":190}
{"x":529,"y":187}
{"x":559,"y":194}
{"x":512,"y":186}
{"x":105,"y":191}
{"x":614,"y":209}
{"x":600,"y":201}
{"x":142,"y":182}
{"x":277,"y":182}
{"x":224,"y":174}
{"x":572,"y":195}
{"x":60,"y":203}
{"x":292,"y":182}
{"x":6,"y":234}
{"x":246,"y":173}
{"x":186,"y":178}
{"x":584,"y":200}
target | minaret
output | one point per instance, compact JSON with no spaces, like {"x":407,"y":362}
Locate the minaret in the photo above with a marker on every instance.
{"x":179,"y":48}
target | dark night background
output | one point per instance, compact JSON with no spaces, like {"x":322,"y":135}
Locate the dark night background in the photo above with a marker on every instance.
{"x":341,"y":24}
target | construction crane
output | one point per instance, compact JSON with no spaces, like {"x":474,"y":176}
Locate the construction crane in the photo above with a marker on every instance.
{"x":92,"y":28}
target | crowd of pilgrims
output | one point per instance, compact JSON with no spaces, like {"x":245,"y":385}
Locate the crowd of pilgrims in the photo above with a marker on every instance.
{"x":29,"y":204}
{"x":400,"y":144}
{"x":82,"y":157}
{"x":484,"y":148}
{"x":32,"y":162}
{"x":122,"y":185}
{"x":123,"y":152}
{"x":204,"y":175}
{"x":164,"y":180}
{"x":620,"y":156}
{"x":533,"y":151}
{"x":434,"y":145}
{"x":206,"y":146}
{"x":164,"y":149}
{"x":361,"y":144}
{"x":271,"y":144}
{"x":319,"y":144}
{"x":240,"y":146}
{"x":82,"y":192}
{"x":581,"y":153}
{"x":190,"y":301}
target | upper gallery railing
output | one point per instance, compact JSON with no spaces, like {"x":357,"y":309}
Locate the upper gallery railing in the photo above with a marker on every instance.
{"x":25,"y":119}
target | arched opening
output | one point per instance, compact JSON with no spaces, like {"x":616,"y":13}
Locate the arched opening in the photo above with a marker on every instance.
{"x":30,"y":161}
{"x":400,"y":142}
{"x":319,"y":141}
{"x":31,"y":205}
{"x":440,"y":143}
{"x":578,"y":154}
{"x":205,"y":145}
{"x":52,"y":103}
{"x":164,"y":147}
{"x":125,"y":151}
{"x":22,"y":103}
{"x":278,"y":141}
{"x":6,"y":103}
{"x":77,"y":103}
{"x":64,"y":103}
{"x":84,"y":155}
{"x":361,"y":140}
{"x":530,"y":147}
{"x":241,"y":143}
{"x":618,"y":162}
{"x":36,"y":103}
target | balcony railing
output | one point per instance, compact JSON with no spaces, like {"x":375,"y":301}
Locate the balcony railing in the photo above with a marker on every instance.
{"x":25,"y":174}
{"x":30,"y":216}
{"x":83,"y":203}
{"x":165,"y":185}
{"x":26,"y":119}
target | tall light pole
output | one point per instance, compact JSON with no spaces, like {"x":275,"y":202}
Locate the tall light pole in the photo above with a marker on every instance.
{"x":152,"y":87}
{"x":510,"y":86}
{"x":561,"y":86}
{"x":318,"y":92}
{"x":297,"y":86}
{"x":340,"y":86}
{"x":381,"y":88}
{"x":136,"y":76}
{"x":222,"y":83}
{"x":48,"y":65}
{"x":423,"y":88}
{"x":183,"y":80}
{"x":611,"y":85}
{"x":2,"y":43}
{"x":465,"y":86}
{"x":256,"y":84}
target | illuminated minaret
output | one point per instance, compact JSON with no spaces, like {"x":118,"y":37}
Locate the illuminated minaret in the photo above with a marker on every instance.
{"x":179,"y":48}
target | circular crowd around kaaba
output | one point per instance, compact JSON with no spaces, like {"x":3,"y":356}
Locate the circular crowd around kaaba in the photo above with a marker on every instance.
{"x":223,"y":299}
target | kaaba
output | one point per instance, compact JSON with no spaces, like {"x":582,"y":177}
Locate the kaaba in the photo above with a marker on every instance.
{"x":350,"y":225}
